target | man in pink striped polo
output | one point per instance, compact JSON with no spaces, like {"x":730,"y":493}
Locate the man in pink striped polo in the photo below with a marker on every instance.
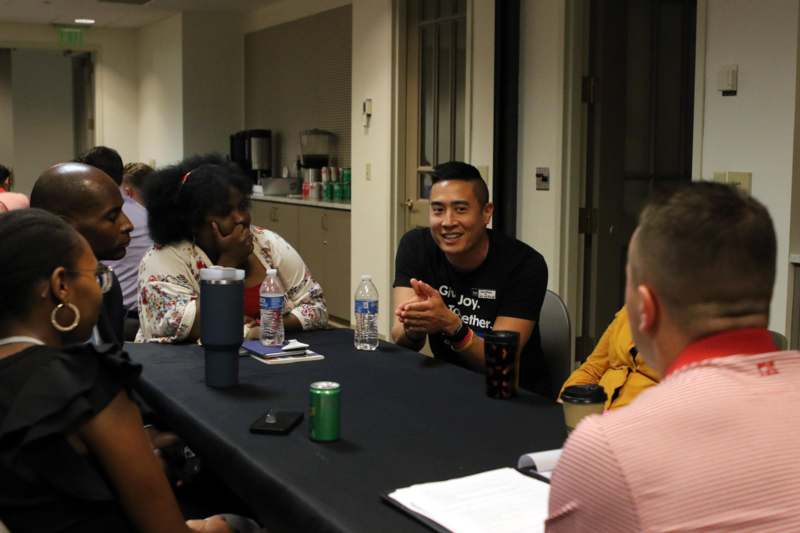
{"x":716,"y":445}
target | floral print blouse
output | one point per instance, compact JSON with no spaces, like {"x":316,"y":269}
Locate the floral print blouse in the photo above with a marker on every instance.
{"x":169,"y":286}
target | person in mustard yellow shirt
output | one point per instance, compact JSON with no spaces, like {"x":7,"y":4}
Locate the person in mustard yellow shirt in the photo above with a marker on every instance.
{"x":615,"y":365}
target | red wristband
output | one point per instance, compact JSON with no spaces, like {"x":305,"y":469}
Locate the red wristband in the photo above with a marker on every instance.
{"x":464,"y":343}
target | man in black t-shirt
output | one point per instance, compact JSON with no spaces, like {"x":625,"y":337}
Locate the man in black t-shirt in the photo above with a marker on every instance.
{"x":459,"y":280}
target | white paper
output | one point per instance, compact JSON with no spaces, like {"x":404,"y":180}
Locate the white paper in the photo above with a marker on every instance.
{"x":543,"y":462}
{"x":497,"y":501}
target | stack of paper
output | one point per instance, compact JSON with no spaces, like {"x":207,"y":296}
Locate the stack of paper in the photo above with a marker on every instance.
{"x":497,"y":501}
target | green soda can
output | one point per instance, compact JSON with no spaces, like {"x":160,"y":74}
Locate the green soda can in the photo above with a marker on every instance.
{"x":324,"y":411}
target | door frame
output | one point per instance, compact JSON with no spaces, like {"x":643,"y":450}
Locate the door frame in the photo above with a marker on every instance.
{"x":399,"y":98}
{"x":575,"y":123}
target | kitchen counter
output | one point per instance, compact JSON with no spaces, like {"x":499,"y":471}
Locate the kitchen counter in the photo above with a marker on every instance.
{"x":327,"y":204}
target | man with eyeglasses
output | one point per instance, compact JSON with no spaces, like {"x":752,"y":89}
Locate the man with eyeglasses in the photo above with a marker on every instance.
{"x":90,"y":201}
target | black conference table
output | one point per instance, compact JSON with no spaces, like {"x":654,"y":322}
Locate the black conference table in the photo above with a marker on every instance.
{"x":406,"y":419}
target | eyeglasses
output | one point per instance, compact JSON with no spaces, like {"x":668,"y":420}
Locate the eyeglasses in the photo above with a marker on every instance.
{"x":103,"y":275}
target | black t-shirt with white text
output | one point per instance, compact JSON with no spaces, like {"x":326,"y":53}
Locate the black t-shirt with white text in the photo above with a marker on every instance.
{"x":510,"y":282}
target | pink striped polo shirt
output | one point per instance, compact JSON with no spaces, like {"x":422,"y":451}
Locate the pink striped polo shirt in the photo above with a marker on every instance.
{"x":714,"y":447}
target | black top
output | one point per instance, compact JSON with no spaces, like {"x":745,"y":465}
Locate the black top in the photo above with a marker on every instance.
{"x":46,"y":394}
{"x":111,"y":321}
{"x":510,"y":282}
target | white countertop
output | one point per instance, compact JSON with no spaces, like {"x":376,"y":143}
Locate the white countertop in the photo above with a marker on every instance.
{"x":795,"y":259}
{"x":342,"y":206}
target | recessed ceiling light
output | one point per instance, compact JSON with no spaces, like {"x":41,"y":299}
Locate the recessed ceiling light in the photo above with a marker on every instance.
{"x":84,"y":21}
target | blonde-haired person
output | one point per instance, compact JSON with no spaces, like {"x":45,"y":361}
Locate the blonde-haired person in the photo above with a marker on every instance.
{"x":615,"y":364}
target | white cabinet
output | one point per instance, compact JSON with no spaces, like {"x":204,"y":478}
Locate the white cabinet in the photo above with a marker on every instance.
{"x":322,"y":237}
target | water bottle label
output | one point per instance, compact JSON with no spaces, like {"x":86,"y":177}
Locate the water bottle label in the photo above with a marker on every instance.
{"x":272,"y":302}
{"x":367,"y":306}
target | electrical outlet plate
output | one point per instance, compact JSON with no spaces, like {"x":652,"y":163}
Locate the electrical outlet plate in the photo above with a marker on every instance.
{"x":742,"y":180}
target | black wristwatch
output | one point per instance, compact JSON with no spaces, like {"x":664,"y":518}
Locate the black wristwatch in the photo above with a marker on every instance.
{"x":459,"y":335}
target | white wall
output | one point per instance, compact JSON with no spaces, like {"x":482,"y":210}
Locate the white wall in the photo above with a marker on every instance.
{"x":754,"y":131}
{"x":116,"y":80}
{"x":117,"y":91}
{"x":6,"y":113}
{"x":541,"y":118}
{"x":160,"y":95}
{"x":41,"y":85}
{"x":371,"y":209}
{"x":213,"y":80}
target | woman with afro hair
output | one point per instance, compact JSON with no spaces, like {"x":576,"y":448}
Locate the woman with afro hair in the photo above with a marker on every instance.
{"x":199,"y":216}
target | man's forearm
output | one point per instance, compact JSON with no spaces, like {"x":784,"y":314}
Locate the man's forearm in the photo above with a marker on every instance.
{"x":402,"y":338}
{"x":472,"y":357}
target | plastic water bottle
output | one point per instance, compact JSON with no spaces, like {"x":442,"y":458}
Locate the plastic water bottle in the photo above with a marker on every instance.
{"x":271,"y":298}
{"x":366,"y":308}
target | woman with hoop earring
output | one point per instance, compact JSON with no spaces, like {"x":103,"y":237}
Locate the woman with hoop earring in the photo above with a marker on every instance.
{"x":73,"y":453}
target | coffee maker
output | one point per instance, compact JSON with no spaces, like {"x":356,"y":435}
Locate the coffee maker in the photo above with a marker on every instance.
{"x":316,"y":147}
{"x":252,"y":151}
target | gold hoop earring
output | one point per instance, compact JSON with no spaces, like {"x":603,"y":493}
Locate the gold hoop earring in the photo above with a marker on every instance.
{"x":54,"y":320}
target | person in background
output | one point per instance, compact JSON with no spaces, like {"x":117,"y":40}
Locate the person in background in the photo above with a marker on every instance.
{"x":616,"y":365}
{"x":199,"y":215}
{"x":10,"y":201}
{"x":90,"y":201}
{"x":106,"y":159}
{"x":6,"y":179}
{"x":127,"y":268}
{"x":713,"y":446}
{"x":73,"y":454}
{"x":459,"y":280}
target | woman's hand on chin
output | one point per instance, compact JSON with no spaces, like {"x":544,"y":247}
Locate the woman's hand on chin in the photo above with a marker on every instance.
{"x":234,"y":248}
